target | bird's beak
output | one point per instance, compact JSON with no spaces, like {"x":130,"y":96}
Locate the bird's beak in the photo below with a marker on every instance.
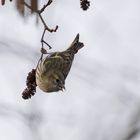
{"x":62,"y":88}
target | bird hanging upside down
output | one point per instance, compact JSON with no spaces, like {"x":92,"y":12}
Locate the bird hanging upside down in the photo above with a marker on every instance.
{"x":53,"y":70}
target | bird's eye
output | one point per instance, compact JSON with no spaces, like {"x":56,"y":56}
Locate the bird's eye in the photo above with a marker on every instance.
{"x":57,"y":80}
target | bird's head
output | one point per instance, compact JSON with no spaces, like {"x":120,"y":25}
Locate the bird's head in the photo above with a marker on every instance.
{"x":52,"y":82}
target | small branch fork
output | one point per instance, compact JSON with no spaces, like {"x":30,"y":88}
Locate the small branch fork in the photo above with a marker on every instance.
{"x":46,"y":28}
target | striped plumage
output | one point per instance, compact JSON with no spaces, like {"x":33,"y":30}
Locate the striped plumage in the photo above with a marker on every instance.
{"x":53,"y":70}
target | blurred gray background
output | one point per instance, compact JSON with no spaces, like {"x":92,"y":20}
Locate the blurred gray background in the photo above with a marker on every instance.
{"x":102,"y":98}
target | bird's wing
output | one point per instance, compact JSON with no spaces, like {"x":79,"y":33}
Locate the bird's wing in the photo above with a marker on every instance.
{"x":52,"y":62}
{"x":60,"y":61}
{"x":68,"y":59}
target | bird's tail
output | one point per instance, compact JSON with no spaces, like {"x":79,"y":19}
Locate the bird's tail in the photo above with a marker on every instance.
{"x":75,"y":45}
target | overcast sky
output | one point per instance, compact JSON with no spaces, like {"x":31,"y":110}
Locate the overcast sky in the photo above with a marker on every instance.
{"x":102,"y":98}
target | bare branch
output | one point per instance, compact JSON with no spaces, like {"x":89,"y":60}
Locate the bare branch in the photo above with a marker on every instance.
{"x":46,"y":28}
{"x":31,"y":83}
{"x":43,"y":8}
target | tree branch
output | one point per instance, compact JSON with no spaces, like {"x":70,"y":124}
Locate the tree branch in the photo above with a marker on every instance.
{"x":31,"y":82}
{"x":46,"y":28}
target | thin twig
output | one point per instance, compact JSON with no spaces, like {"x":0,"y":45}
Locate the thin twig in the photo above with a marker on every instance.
{"x":43,"y":8}
{"x":46,"y":28}
{"x":40,"y":16}
{"x":46,"y":44}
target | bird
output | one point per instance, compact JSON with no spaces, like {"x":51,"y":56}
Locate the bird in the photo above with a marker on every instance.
{"x":53,"y":70}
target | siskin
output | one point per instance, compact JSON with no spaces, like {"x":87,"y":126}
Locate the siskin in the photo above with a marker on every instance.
{"x":53,"y":70}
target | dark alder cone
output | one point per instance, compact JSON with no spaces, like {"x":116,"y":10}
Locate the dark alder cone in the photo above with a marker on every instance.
{"x":84,"y":4}
{"x":2,"y":2}
{"x":21,"y":7}
{"x":31,"y":85}
{"x":30,"y":78}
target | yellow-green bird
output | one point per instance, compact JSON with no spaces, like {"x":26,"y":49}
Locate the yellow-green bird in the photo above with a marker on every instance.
{"x":53,"y":70}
